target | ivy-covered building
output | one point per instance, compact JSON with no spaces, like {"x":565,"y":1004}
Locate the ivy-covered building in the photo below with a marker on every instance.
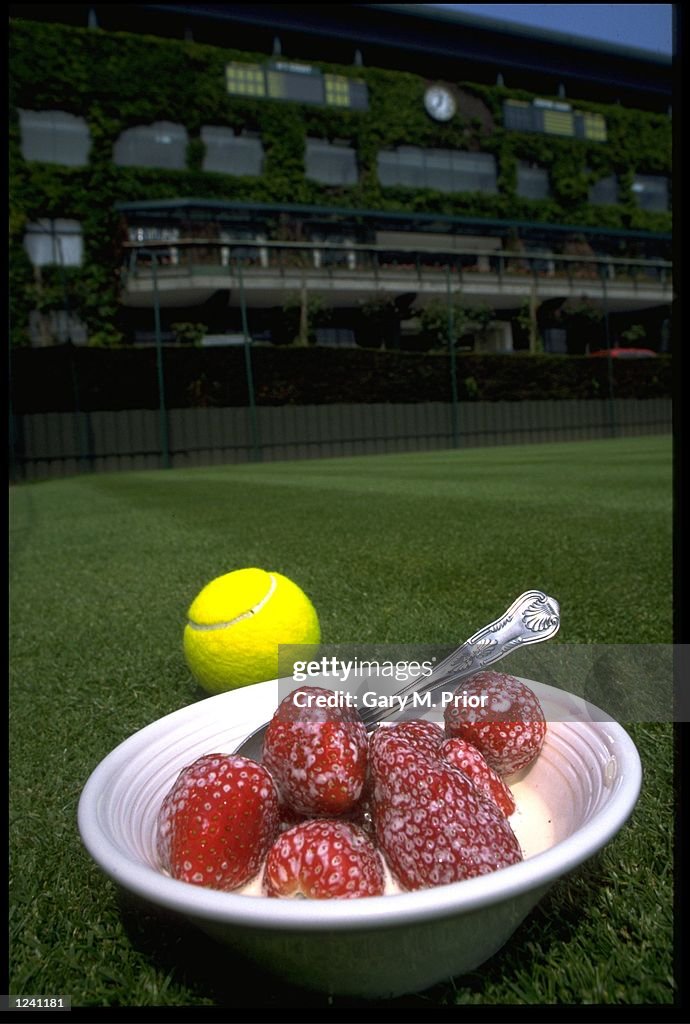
{"x":348,"y":174}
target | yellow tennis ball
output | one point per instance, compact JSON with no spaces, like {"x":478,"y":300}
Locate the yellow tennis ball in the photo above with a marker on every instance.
{"x":236,"y":623}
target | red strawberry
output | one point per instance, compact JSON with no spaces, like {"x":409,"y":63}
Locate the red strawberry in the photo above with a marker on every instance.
{"x":509,"y":731}
{"x":469,"y":761}
{"x":217,"y":822}
{"x":432,"y":825}
{"x":422,"y":735}
{"x":317,"y":755}
{"x":324,"y":859}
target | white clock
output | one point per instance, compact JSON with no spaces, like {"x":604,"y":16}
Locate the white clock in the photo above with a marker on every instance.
{"x":439,"y":103}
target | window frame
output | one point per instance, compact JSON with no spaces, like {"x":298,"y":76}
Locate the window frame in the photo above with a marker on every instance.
{"x":422,"y":160}
{"x":246,"y":141}
{"x":538,"y":172}
{"x":638,"y":189}
{"x":331,"y":151}
{"x":54,"y":230}
{"x":129,"y":136}
{"x":46,"y":128}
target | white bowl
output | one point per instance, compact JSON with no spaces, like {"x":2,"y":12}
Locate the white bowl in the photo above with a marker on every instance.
{"x":571,"y":802}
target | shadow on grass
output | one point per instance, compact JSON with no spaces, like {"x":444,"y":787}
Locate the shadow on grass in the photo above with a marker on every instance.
{"x":212,"y":971}
{"x":554,"y":922}
{"x":196,"y":962}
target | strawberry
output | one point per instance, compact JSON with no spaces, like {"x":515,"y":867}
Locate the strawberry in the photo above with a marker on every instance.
{"x":317,"y":755}
{"x":469,"y":761}
{"x":509,"y":731}
{"x":423,"y":735}
{"x":432,"y":825}
{"x":217,"y":822}
{"x":324,"y":859}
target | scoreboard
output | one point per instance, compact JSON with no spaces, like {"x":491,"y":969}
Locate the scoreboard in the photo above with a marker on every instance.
{"x":298,"y":83}
{"x":553,"y":118}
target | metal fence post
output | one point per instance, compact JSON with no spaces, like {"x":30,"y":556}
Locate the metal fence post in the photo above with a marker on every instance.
{"x":253,"y":421}
{"x":13,"y":431}
{"x":80,"y":424}
{"x":85,"y":451}
{"x":609,"y":361}
{"x":455,"y":433}
{"x":162,"y":411}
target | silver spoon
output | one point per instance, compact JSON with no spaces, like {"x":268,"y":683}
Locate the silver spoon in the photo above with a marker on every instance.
{"x":533,"y":617}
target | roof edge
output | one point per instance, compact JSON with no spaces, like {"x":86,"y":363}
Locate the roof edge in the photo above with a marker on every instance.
{"x":434,"y":12}
{"x":221,"y":204}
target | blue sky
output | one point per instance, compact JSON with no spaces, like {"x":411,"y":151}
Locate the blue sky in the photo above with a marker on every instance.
{"x":646,"y":26}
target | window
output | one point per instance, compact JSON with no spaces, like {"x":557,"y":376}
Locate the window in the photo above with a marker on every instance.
{"x":546,"y":266}
{"x":445,"y":170}
{"x":532,"y":181}
{"x":228,"y":153}
{"x":146,"y":233}
{"x":54,"y":137}
{"x":651,"y":192}
{"x":556,"y":340}
{"x":161,"y":144}
{"x":345,"y":257}
{"x":57,"y":325}
{"x":331,"y":163}
{"x":402,"y":166}
{"x":54,"y":242}
{"x":604,"y":192}
{"x":143,"y":233}
{"x":248,"y":254}
{"x":335,"y":337}
{"x":438,"y":170}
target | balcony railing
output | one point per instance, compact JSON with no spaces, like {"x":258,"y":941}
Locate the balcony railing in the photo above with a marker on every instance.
{"x":194,"y":256}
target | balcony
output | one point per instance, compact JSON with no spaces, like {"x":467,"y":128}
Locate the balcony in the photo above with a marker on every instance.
{"x":261,"y":273}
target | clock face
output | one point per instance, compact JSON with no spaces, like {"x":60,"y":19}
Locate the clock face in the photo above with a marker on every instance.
{"x":439,"y":103}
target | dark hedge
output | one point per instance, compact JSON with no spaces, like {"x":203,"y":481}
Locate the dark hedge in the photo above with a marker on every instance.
{"x":62,"y":378}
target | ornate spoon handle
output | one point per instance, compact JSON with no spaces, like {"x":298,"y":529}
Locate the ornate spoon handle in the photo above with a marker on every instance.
{"x":533,"y":617}
{"x":529,"y":620}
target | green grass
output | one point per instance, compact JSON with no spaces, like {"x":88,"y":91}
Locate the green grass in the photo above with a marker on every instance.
{"x":419,"y":548}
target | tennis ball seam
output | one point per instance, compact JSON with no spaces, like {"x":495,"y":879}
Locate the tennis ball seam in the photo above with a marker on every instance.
{"x":208,"y":627}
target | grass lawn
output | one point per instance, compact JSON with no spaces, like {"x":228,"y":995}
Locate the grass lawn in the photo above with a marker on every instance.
{"x":420,"y":548}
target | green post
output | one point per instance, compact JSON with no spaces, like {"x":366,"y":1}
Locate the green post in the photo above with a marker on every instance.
{"x":85,"y":454}
{"x":12,"y":424}
{"x":162,"y":412}
{"x":83,"y":445}
{"x":609,"y":361}
{"x":253,"y":421}
{"x":455,"y":431}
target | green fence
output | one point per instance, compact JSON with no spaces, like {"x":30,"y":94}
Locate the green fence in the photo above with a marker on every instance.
{"x":57,"y":426}
{"x":46,"y":445}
